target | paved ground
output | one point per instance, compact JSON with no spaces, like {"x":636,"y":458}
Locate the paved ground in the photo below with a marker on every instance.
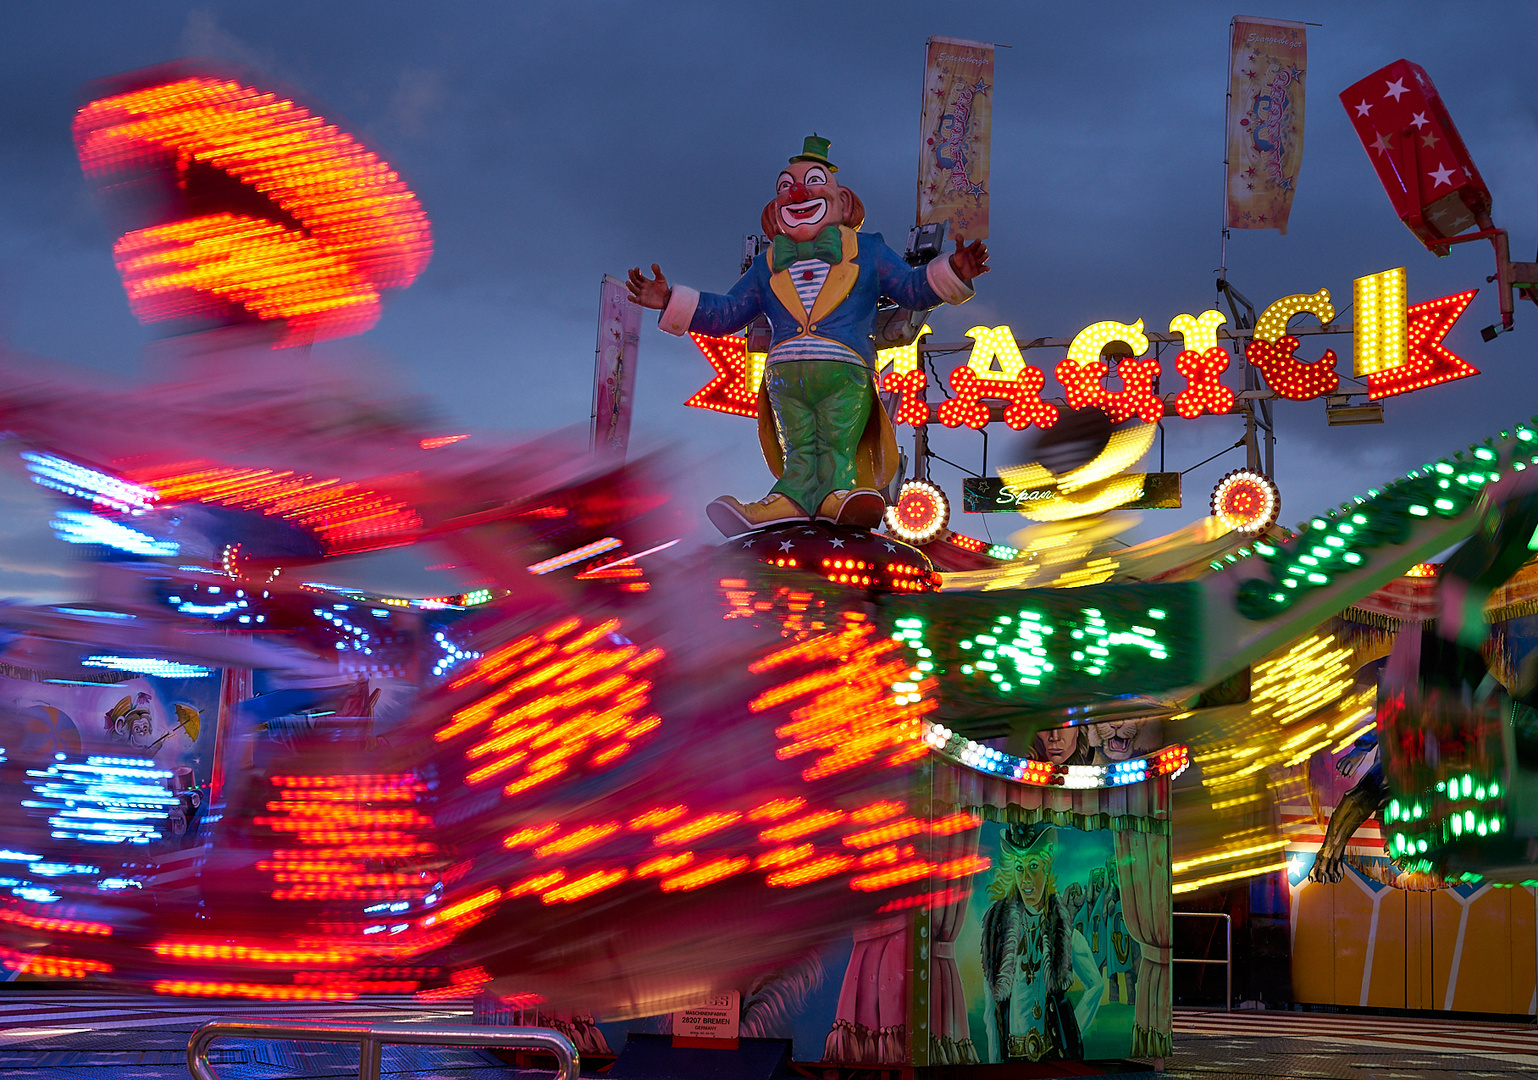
{"x":1347,"y":1047}
{"x":100,"y":1037}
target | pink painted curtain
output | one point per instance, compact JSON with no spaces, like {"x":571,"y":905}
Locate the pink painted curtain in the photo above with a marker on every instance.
{"x":871,"y":1027}
{"x":950,"y":1038}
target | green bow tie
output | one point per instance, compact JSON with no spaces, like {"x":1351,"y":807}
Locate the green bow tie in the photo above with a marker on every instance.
{"x":829,"y":247}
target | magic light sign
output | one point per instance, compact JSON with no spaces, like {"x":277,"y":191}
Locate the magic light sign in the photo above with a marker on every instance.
{"x":1397,"y":349}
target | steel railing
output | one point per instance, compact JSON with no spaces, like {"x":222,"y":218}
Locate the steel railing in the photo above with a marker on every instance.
{"x":371,"y":1038}
{"x":1228,"y":959}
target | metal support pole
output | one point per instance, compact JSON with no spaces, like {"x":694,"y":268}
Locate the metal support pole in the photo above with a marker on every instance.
{"x":1228,"y":959}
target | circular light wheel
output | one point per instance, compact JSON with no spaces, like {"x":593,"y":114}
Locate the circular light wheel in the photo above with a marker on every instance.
{"x":919,"y":514}
{"x":1246,"y":501}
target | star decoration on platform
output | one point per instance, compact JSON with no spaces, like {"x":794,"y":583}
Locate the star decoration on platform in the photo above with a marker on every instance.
{"x":1395,"y":89}
{"x":1419,"y":121}
{"x":1382,"y":144}
{"x":786,"y":545}
{"x":837,"y":541}
{"x":747,"y":543}
{"x":1363,"y":109}
{"x":891,"y":546}
{"x":1430,"y":140}
{"x":1443,"y":175}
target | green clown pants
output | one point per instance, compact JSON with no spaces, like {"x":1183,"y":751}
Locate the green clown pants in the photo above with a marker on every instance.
{"x":820,"y":409}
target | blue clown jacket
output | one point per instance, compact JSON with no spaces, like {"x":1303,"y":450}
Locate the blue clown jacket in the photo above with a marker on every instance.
{"x":844,"y":310}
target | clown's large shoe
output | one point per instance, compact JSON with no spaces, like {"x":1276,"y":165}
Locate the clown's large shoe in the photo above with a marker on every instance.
{"x":861,"y":508}
{"x":734,"y":518}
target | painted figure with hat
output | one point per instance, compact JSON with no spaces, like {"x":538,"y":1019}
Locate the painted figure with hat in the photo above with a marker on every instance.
{"x":1031,"y":955}
{"x":821,"y":426}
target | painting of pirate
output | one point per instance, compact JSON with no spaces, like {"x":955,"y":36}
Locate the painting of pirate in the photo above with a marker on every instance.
{"x":1031,"y":954}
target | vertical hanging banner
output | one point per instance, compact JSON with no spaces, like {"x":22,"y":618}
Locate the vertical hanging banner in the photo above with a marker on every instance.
{"x":1266,"y":65}
{"x":957,"y":132}
{"x":619,"y":334}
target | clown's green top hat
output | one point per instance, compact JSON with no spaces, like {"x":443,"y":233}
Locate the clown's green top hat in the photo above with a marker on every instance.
{"x":814,"y":148}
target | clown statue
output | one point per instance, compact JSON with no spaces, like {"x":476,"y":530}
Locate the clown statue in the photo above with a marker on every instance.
{"x":822,"y":428}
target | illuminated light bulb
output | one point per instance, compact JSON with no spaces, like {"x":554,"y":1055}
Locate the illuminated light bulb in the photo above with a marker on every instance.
{"x":355,"y":228}
{"x":995,"y":345}
{"x":912,"y":409}
{"x":1272,"y":324}
{"x":1083,"y":372}
{"x":1380,"y":339}
{"x":1090,"y":342}
{"x":1428,"y":362}
{"x":1199,"y":331}
{"x":1203,"y":392}
{"x":1291,"y":378}
{"x":733,"y":390}
{"x":904,"y":359}
{"x":920,"y":512}
{"x":1023,"y":392}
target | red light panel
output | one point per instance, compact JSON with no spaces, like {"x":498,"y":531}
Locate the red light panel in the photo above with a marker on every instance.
{"x":345,"y":516}
{"x":1291,"y":378}
{"x":1428,"y":361}
{"x":1023,"y":393}
{"x":356,"y":227}
{"x":912,"y":409}
{"x":1084,"y":386}
{"x":729,"y":391}
{"x":1203,"y":392}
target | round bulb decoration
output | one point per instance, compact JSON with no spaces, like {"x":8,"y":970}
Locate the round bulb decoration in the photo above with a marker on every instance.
{"x":920,"y":513}
{"x":1246,"y":501}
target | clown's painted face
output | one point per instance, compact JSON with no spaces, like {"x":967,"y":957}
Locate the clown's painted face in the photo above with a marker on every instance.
{"x":807,"y":200}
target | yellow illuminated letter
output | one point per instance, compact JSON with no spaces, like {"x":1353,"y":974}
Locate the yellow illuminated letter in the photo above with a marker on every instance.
{"x":903,"y":358}
{"x":1272,"y":324}
{"x":1199,"y":331}
{"x":1089,"y":342}
{"x":995,"y":344}
{"x":1379,"y":341}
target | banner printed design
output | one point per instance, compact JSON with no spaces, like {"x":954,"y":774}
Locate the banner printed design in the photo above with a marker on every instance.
{"x":1265,"y":121}
{"x":957,"y":129}
{"x":619,"y":336}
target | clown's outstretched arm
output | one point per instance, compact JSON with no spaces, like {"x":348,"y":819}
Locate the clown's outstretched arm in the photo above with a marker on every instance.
{"x":686,"y":310}
{"x":946,"y":280}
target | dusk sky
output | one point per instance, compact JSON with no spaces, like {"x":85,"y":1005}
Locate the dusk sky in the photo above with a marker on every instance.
{"x":553,"y":143}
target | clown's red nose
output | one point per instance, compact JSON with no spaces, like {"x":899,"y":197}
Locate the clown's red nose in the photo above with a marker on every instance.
{"x":799,"y":193}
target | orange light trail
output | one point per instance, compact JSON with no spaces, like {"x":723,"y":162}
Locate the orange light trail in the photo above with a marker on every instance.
{"x":360,"y":230}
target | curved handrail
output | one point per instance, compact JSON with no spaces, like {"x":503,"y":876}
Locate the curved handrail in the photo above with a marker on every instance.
{"x":372,"y":1037}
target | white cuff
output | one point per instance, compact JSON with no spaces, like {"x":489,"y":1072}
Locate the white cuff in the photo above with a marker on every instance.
{"x":944,"y":280}
{"x":679,"y":313}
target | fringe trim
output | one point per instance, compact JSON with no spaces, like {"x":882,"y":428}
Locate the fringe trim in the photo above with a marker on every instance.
{"x":850,"y":1043}
{"x":1149,"y":1044}
{"x":1022,"y":815}
{"x":944,"y":1050}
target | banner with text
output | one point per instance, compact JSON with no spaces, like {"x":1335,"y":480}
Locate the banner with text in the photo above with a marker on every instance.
{"x":1266,"y":65}
{"x":957,"y":127}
